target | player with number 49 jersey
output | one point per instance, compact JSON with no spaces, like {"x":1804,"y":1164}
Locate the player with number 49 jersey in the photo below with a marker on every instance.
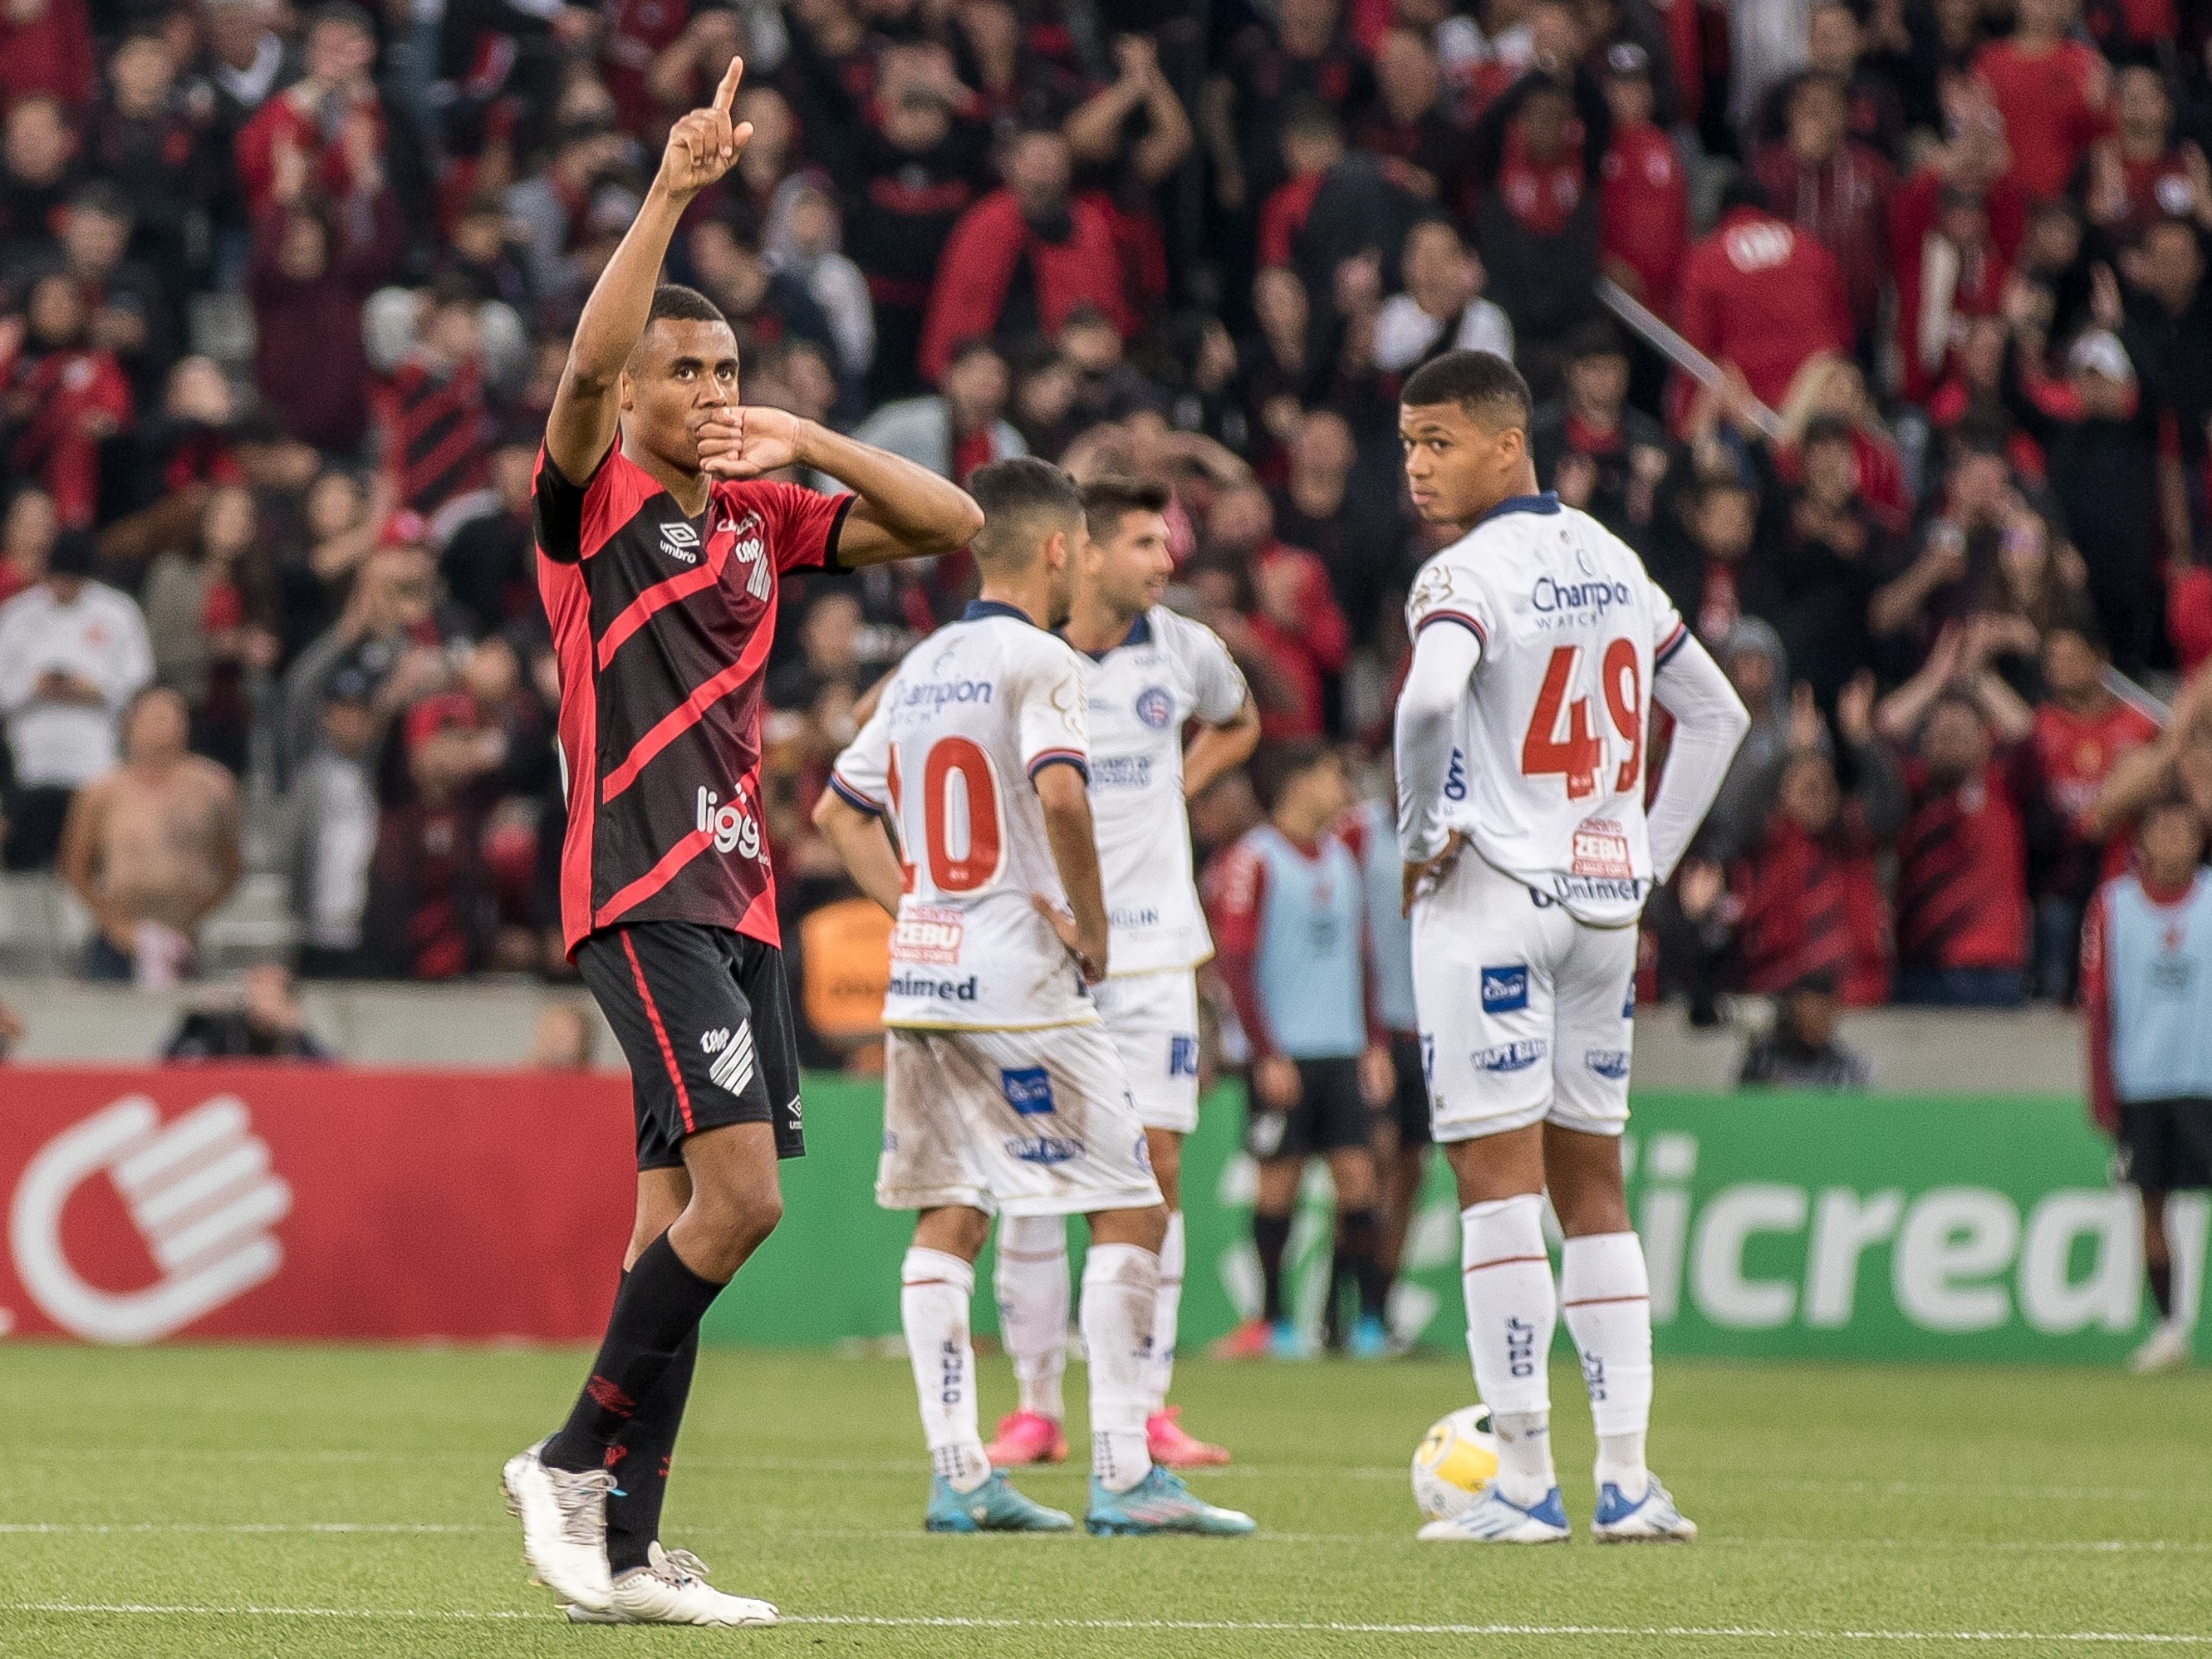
{"x":1548,"y":780}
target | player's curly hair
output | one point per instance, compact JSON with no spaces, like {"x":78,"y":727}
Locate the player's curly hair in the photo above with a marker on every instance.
{"x":1482,"y":383}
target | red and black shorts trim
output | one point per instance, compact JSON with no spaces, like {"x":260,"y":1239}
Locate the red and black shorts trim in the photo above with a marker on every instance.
{"x":703,"y":1016}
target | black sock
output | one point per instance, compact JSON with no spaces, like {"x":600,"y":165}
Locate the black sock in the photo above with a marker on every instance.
{"x":641,"y":1464}
{"x":2160,"y":1274}
{"x":1363,"y":1247}
{"x":1271,"y":1235}
{"x":657,"y":1308}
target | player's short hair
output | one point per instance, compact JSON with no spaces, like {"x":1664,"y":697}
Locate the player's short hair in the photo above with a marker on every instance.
{"x":678,"y":303}
{"x":1279,"y":765}
{"x":1482,"y":383}
{"x":1106,"y":499}
{"x":1024,"y":500}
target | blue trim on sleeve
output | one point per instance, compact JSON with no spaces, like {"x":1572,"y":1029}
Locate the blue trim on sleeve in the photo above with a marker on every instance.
{"x":1062,"y":758}
{"x":852,"y":796}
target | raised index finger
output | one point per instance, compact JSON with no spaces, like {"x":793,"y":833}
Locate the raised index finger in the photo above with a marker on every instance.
{"x":725,"y":95}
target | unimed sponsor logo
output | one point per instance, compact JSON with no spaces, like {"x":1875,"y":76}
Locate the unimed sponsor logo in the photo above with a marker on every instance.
{"x":1952,"y":1260}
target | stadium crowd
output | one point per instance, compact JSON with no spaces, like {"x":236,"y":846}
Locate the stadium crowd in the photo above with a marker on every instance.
{"x":284,"y":292}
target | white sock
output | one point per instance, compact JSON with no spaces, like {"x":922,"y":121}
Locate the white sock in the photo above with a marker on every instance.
{"x":1031,"y":1280}
{"x":1512,"y":1310}
{"x":1165,"y":1311}
{"x":1120,"y":1284}
{"x":933,"y":1292}
{"x":1606,"y":1295}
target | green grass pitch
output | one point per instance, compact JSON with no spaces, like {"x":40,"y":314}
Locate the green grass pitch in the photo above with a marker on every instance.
{"x":242,"y":1502}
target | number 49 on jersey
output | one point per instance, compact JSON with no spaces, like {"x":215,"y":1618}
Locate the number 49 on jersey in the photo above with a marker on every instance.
{"x":1562,"y":738}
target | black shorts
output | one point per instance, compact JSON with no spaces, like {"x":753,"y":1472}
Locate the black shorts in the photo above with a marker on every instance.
{"x":2165,"y":1146}
{"x":1331,"y":1114}
{"x":704,"y":1019}
{"x":1409,"y":1097}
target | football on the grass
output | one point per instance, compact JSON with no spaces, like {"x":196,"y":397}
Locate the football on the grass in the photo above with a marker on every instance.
{"x":1456,"y":1460}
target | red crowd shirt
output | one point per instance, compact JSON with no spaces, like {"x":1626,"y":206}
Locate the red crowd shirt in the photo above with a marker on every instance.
{"x":2074,"y":756}
{"x":662,"y":626}
{"x":1542,"y":195}
{"x":1644,"y":210}
{"x":1961,"y":874}
{"x":637,"y":32}
{"x":2044,"y":97}
{"x":1760,"y":294}
{"x":1814,"y":906}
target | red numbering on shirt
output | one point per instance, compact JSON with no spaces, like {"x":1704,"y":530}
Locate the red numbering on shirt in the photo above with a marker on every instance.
{"x":1575,"y":753}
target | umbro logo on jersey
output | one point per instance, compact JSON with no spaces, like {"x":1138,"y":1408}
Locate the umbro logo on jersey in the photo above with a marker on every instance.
{"x":734,"y":1069}
{"x":680,"y":542}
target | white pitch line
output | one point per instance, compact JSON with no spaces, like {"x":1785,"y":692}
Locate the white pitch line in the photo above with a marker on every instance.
{"x":1319,"y":1627}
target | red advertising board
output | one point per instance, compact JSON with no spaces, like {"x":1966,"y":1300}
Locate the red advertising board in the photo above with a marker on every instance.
{"x":291,"y":1201}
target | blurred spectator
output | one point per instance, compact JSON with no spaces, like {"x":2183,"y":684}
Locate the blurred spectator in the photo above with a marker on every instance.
{"x":73,"y":652}
{"x":1806,"y":896}
{"x":2168,"y":331}
{"x":2082,"y":731}
{"x":1538,"y":154}
{"x":208,"y":622}
{"x":1948,"y":271}
{"x":45,"y":49}
{"x":311,"y":274}
{"x":563,"y":1039}
{"x":956,"y":430}
{"x":1833,"y":548}
{"x":1424,"y":150}
{"x":1750,"y":653}
{"x":1361,"y":544}
{"x":267,"y":1022}
{"x":803,"y":244}
{"x":146,"y":140}
{"x":489,"y":563}
{"x":2100,"y":443}
{"x":2142,"y":175}
{"x":127,"y":309}
{"x":65,"y":395}
{"x":1643,"y":204}
{"x":1599,"y":453}
{"x":152,"y":847}
{"x":331,"y":124}
{"x":1289,"y":619}
{"x":2052,"y":92}
{"x":334,"y":828}
{"x":1836,"y":189}
{"x":1962,"y":910}
{"x":1442,"y":308}
{"x":39,"y":159}
{"x":1800,"y":1049}
{"x":28,"y":529}
{"x":1304,"y":59}
{"x":433,"y":418}
{"x":385,"y":630}
{"x":1107,"y":388}
{"x":1758,"y":295}
{"x":1061,"y":247}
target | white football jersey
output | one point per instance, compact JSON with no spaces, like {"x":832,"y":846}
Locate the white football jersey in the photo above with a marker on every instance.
{"x":1547,"y":777}
{"x":975,"y":712}
{"x":1169,"y":671}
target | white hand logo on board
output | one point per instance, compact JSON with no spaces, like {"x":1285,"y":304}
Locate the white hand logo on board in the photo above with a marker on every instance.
{"x":199,"y":1190}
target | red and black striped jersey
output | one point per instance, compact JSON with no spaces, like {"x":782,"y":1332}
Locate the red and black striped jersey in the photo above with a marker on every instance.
{"x":662,"y":624}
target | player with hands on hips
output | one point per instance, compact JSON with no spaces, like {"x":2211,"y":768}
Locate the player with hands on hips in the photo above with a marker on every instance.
{"x":1522,"y":737}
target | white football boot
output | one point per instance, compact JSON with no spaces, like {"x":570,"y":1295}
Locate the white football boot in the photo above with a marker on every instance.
{"x":564,"y":1525}
{"x":672,"y":1588}
{"x":1493,"y":1518}
{"x":2166,"y":1349}
{"x":1651,"y":1519}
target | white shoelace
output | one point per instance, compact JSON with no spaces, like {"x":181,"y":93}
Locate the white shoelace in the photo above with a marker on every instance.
{"x":680,"y":1567}
{"x":575,"y":1492}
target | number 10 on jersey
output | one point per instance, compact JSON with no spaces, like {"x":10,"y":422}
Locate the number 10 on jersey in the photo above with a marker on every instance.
{"x":1563,"y":737}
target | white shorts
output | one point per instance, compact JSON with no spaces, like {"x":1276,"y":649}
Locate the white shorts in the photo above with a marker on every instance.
{"x":1153,"y":1021}
{"x":1525,"y":1012}
{"x":1034,"y":1122}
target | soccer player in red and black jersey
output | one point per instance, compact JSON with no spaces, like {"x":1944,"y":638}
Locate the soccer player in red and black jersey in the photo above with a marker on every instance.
{"x":660,"y":545}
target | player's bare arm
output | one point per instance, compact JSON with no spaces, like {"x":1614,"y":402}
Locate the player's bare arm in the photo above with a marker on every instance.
{"x":701,"y":147}
{"x":864,"y":845}
{"x":1066,"y":799}
{"x":901,"y":511}
{"x":1218,"y":750}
